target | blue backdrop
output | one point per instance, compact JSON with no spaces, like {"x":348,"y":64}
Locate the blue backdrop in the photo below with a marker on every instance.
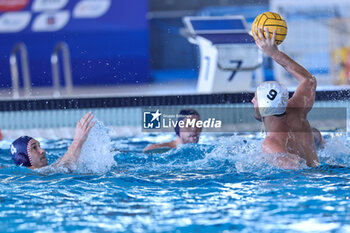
{"x":110,"y":49}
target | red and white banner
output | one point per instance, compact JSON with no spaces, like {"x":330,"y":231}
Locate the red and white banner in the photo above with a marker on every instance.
{"x":12,"y":5}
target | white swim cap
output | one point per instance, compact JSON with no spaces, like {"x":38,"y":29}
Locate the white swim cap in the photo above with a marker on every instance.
{"x":272,"y":98}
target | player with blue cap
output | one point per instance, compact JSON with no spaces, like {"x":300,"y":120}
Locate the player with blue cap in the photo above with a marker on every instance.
{"x":26,"y":151}
{"x":20,"y":151}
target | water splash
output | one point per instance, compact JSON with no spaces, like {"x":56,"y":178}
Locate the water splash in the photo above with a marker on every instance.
{"x":96,"y":155}
{"x":336,"y":151}
{"x":236,"y":154}
{"x":241,"y":155}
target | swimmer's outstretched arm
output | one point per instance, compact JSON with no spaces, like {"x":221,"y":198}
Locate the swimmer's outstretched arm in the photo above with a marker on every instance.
{"x":82,"y":130}
{"x":304,"y":96}
{"x":171,"y":144}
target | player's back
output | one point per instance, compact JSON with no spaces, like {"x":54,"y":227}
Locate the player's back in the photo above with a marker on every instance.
{"x":297,"y":136}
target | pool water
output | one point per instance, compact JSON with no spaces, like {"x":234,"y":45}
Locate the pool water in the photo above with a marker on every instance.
{"x":218,"y":185}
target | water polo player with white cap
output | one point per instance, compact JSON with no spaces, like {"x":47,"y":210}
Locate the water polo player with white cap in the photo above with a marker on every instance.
{"x":289,"y":133}
{"x":272,"y":98}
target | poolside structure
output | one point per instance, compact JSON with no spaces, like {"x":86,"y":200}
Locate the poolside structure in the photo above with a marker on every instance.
{"x":229,"y":59}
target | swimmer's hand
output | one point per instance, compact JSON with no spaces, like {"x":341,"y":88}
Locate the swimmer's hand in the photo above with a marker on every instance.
{"x":266,"y":45}
{"x":82,"y":130}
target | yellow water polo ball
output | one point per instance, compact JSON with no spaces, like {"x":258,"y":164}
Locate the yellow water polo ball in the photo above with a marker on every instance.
{"x":272,"y":21}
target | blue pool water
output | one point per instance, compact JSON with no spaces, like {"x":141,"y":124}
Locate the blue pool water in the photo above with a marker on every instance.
{"x":215,"y":186}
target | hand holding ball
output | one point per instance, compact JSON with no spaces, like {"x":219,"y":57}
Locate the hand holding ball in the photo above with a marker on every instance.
{"x":271,"y":21}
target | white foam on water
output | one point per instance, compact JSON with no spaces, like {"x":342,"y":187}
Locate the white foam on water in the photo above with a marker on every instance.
{"x":96,"y":155}
{"x":245,"y":155}
{"x":336,"y":151}
{"x":242,"y":152}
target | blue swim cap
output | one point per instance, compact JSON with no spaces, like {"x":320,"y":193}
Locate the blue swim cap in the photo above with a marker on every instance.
{"x":19,"y":151}
{"x":182,"y":114}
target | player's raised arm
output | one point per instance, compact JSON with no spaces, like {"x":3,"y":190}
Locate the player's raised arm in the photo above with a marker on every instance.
{"x":304,"y":96}
{"x":82,"y":130}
